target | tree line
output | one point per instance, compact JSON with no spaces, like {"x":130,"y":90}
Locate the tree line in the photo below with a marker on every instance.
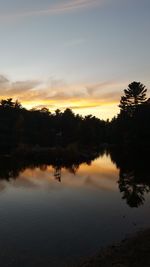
{"x":20,"y":127}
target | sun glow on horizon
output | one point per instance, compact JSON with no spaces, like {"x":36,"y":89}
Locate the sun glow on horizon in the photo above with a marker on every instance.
{"x":106,"y":110}
{"x":99,"y":99}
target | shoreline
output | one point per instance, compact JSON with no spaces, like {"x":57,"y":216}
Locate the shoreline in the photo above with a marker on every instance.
{"x":131,"y":252}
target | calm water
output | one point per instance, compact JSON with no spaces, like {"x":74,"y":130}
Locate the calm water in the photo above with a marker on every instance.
{"x":45,"y":222}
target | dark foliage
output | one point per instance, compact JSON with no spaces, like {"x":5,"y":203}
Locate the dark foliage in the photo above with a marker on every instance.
{"x":135,"y":95}
{"x":132,"y":125}
{"x":24,"y":129}
{"x":134,"y":176}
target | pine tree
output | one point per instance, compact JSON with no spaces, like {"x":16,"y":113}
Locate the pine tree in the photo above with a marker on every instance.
{"x":135,"y":95}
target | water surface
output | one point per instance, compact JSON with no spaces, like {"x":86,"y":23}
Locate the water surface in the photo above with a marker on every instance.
{"x":52,"y":216}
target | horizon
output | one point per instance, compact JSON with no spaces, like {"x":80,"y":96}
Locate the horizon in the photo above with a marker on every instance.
{"x":73,"y":54}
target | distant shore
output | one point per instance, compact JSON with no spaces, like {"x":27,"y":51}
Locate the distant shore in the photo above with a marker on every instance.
{"x":131,"y":252}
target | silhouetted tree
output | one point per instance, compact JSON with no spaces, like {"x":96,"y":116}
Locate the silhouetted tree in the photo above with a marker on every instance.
{"x":131,"y":127}
{"x":8,"y":103}
{"x":17,"y":105}
{"x":135,"y":94}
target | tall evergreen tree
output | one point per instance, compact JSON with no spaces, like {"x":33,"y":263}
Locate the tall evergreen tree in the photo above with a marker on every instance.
{"x":135,"y":94}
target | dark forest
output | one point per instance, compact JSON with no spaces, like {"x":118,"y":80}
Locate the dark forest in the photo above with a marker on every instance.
{"x":25,"y":130}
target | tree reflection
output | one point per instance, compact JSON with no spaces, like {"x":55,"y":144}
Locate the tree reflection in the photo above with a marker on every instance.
{"x":132,"y":191}
{"x":57,"y":173}
{"x":134,"y":177}
{"x":133,"y":165}
{"x":11,"y":167}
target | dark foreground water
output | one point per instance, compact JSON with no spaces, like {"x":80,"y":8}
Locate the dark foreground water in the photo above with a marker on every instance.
{"x":53,"y":217}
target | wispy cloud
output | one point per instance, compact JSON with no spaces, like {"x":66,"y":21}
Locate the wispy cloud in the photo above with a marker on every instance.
{"x":62,"y":7}
{"x":102,"y":87}
{"x":19,"y":89}
{"x":3,"y":80}
{"x":84,"y":106}
{"x":59,"y":90}
{"x":55,"y":94}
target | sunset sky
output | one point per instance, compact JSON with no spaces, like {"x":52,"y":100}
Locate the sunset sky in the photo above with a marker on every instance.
{"x":73,"y":53}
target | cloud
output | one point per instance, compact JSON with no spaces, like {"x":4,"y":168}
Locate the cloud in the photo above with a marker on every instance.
{"x":103,"y":86}
{"x":84,"y":106}
{"x":62,"y":7}
{"x":106,"y":91}
{"x":59,"y":90}
{"x":57,"y":93}
{"x":3,"y":80}
{"x":24,"y":85}
{"x":19,"y":89}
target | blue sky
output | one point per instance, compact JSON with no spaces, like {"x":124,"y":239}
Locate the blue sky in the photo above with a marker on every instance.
{"x":80,"y":54}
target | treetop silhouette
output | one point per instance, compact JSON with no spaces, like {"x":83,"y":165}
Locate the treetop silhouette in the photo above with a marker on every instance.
{"x":135,"y":94}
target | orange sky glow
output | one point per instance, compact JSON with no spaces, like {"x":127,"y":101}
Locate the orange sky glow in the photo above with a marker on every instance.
{"x":83,"y":107}
{"x":100,"y":99}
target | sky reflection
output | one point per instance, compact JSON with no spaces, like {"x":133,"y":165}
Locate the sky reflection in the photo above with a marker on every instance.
{"x":46,"y":222}
{"x":101,"y":174}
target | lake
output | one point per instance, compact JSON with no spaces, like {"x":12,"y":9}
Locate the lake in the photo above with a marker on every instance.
{"x":54,"y":216}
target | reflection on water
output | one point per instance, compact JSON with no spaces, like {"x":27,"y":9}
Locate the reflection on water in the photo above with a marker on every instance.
{"x":100,"y":173}
{"x":54,"y":212}
{"x":131,"y":172}
{"x":134,"y":175}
